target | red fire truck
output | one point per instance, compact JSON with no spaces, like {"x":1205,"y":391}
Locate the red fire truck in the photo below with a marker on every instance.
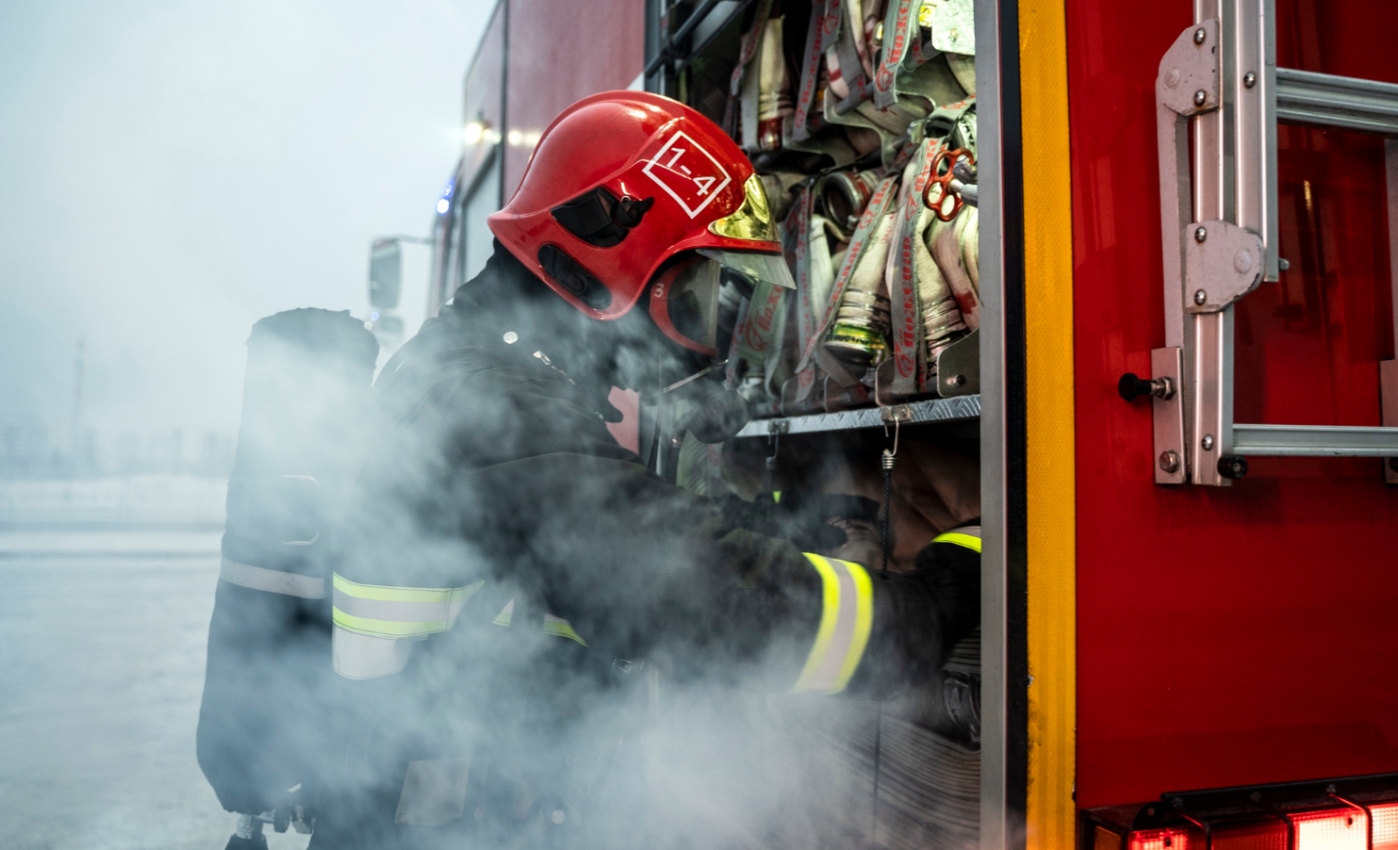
{"x":1178,"y":405}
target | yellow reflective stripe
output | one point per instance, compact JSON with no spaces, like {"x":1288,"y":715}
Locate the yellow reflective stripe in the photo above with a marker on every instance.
{"x":385,"y":611}
{"x":506,"y":615}
{"x":846,"y":619}
{"x":829,"y":614}
{"x":966,"y":541}
{"x":388,"y":628}
{"x":402,"y":594}
{"x":560,"y":627}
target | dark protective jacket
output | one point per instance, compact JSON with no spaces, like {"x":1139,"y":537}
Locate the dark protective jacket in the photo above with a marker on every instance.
{"x":512,"y":568}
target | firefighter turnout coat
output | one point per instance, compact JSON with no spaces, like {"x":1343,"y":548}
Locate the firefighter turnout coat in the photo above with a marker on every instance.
{"x":511,"y":565}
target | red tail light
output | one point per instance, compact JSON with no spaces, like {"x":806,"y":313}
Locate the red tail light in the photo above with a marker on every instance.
{"x":1385,"y":819}
{"x":1160,"y":839}
{"x":1271,"y":834}
{"x":1332,"y":829}
{"x":1358,"y":813}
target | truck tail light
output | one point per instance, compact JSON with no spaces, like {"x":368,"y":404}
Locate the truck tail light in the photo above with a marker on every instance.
{"x":1332,"y":829}
{"x":1355,"y":813}
{"x":1160,"y":839}
{"x":1270,"y":834}
{"x":1385,"y":818}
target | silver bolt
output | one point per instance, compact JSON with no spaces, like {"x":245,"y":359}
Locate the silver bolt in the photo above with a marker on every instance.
{"x":956,"y":380}
{"x":1207,"y":442}
{"x":511,"y":337}
{"x":1201,"y":297}
{"x":1200,"y":234}
{"x":1199,"y":97}
{"x":1200,"y":35}
{"x":1169,"y":461}
{"x":1283,"y":264}
{"x":1249,"y":79}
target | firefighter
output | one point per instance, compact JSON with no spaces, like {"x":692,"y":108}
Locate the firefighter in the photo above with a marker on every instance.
{"x":513,"y":567}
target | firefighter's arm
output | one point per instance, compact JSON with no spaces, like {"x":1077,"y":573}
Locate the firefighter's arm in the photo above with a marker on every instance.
{"x":857,"y":628}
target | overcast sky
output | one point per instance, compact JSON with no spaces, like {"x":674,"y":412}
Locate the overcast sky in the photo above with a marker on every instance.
{"x":172,"y":171}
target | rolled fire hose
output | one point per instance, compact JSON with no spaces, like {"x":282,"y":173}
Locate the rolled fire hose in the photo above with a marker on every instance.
{"x":862,"y":322}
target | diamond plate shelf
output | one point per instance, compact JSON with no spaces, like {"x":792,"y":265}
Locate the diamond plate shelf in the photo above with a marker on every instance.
{"x":912,"y":413}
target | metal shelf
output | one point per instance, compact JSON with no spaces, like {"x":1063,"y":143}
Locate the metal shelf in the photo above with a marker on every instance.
{"x":914,"y":413}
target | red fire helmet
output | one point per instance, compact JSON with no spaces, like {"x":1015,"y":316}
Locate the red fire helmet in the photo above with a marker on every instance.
{"x":622,"y":182}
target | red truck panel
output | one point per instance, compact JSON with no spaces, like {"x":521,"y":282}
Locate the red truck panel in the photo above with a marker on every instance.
{"x":482,"y":98}
{"x":1240,"y":635}
{"x":560,"y":51}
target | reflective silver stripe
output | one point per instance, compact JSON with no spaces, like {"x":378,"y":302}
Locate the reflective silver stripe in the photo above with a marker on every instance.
{"x":387,"y":611}
{"x":412,"y":612}
{"x":360,"y":656}
{"x":271,"y":581}
{"x":847,"y":617}
{"x":434,"y":792}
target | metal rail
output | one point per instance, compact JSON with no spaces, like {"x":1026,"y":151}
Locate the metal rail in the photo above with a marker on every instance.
{"x":932,"y":410}
{"x":1314,"y":440}
{"x":668,"y":53}
{"x":1305,"y":97}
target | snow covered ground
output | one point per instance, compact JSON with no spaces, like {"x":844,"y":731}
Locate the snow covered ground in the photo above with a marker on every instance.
{"x":107,"y":590}
{"x":100,"y":682}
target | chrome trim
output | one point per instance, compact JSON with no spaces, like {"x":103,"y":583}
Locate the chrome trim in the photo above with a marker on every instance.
{"x":1000,"y":828}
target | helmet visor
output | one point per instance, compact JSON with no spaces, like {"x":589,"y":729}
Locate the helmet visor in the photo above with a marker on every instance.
{"x":684,"y":303}
{"x":753,"y":266}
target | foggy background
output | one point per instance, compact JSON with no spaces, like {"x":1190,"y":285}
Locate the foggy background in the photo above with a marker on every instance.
{"x":172,"y":171}
{"x":169,"y":173}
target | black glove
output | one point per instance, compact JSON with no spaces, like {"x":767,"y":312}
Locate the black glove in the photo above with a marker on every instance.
{"x":802,"y":518}
{"x":707,"y":410}
{"x":918,"y":617}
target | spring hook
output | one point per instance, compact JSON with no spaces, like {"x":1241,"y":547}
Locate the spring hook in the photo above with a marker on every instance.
{"x":887,"y":461}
